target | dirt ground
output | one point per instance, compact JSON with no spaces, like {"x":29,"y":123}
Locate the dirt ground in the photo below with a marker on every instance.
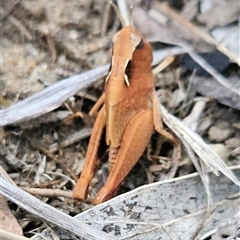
{"x":43,"y":42}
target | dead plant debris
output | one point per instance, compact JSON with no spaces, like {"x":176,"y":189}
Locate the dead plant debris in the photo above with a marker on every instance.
{"x":43,"y":42}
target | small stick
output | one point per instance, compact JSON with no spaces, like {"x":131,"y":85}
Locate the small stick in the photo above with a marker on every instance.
{"x":105,"y":18}
{"x":166,"y":62}
{"x":52,"y":47}
{"x":5,"y":235}
{"x":85,"y":132}
{"x":48,"y":192}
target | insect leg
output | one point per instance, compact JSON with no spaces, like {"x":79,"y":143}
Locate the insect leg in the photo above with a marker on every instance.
{"x":134,"y":142}
{"x":81,"y":189}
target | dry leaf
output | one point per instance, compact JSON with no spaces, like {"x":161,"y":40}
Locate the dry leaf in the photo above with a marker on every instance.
{"x":229,"y":228}
{"x":175,"y":207}
{"x":7,"y":219}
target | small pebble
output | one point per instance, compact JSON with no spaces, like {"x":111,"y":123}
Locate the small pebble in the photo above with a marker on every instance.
{"x":220,"y":150}
{"x":232,"y":143}
{"x":219,"y":132}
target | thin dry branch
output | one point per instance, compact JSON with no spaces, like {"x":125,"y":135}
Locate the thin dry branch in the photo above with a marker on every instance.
{"x":77,"y":136}
{"x":5,"y":235}
{"x":163,"y":7}
{"x":48,"y":192}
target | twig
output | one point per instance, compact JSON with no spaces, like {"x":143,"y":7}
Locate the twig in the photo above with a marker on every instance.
{"x":83,"y":133}
{"x":49,"y":213}
{"x":166,"y":231}
{"x":200,"y":227}
{"x":4,"y":14}
{"x":166,"y":62}
{"x":105,"y":18}
{"x":5,"y":235}
{"x":49,"y":183}
{"x":206,"y":37}
{"x":48,"y":192}
{"x":52,"y":47}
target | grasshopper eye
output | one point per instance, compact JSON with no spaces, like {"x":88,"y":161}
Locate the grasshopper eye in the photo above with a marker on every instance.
{"x":140,"y":45}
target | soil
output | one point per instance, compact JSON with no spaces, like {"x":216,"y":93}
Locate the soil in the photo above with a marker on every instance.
{"x":46,"y":41}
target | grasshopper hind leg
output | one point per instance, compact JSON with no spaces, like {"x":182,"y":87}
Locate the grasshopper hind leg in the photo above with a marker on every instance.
{"x":80,"y":191}
{"x":134,"y":142}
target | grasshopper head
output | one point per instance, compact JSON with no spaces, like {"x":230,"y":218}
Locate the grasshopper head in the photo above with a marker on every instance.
{"x":131,"y":45}
{"x":131,"y":53}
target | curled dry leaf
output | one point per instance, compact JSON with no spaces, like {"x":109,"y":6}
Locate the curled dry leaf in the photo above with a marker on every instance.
{"x":209,"y":87}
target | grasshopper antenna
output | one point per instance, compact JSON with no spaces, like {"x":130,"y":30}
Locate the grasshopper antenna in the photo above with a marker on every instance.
{"x":119,"y":14}
{"x":131,"y":16}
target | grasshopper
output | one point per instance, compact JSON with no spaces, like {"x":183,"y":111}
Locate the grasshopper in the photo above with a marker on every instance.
{"x":129,"y":113}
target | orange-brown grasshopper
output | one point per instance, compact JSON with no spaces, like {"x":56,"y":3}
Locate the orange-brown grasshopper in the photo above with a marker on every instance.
{"x":129,"y":113}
